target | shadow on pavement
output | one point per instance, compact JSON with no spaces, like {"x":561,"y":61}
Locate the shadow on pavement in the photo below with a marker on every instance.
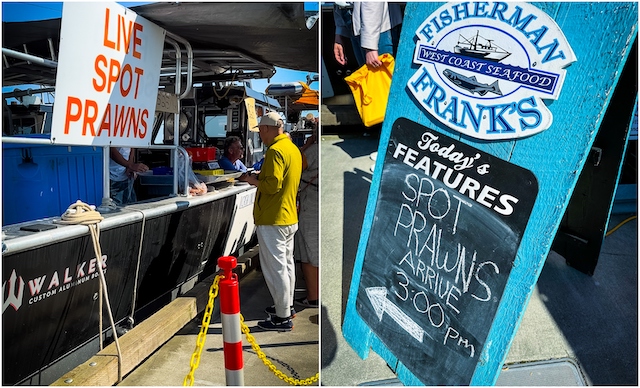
{"x":356,"y":191}
{"x":360,"y":142}
{"x":598,"y":315}
{"x":329,"y":340}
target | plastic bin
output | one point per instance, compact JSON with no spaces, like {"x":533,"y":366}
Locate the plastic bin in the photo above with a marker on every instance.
{"x":203,"y":154}
{"x":217,"y":171}
{"x":163,"y":171}
{"x":153,"y":185}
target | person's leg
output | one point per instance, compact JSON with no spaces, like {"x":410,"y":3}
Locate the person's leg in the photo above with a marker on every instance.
{"x":307,"y":243}
{"x":395,"y":38}
{"x":309,"y":271}
{"x":273,"y":262}
{"x":311,"y":280}
{"x":130,"y":193}
{"x":291,"y":264}
{"x":117,"y":191}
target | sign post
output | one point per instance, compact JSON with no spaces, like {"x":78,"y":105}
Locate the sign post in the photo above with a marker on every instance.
{"x":496,"y":108}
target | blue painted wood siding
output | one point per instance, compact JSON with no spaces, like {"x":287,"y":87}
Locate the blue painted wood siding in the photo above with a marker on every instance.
{"x":57,"y":177}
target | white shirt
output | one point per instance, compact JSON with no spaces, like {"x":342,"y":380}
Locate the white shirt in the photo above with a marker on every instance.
{"x":371,"y":18}
{"x":116,"y":171}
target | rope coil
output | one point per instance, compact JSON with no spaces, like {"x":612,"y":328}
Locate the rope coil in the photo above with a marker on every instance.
{"x":80,"y":213}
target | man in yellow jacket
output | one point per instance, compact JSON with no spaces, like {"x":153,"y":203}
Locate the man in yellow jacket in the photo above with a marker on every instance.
{"x":276,"y":218}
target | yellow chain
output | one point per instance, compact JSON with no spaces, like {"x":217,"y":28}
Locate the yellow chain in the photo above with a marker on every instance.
{"x":202,"y":336}
{"x":269,"y":364}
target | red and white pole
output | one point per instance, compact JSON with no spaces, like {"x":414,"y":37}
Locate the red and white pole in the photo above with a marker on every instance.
{"x":230,"y":314}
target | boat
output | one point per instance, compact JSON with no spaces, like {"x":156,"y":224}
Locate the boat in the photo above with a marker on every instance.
{"x":286,"y":88}
{"x":296,"y":98}
{"x":161,"y":246}
{"x":479,"y":47}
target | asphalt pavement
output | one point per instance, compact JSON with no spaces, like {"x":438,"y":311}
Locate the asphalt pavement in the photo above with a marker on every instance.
{"x":294,"y":353}
{"x":577,"y":329}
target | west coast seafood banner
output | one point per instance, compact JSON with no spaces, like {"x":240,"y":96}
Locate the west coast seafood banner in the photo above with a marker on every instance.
{"x":486,"y":68}
{"x":107,"y":79}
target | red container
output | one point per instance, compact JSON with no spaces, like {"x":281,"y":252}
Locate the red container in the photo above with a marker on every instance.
{"x":203,"y":154}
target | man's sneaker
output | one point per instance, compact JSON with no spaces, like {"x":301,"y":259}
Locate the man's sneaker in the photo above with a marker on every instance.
{"x":276,"y":324}
{"x":271,"y":310}
{"x":306,"y":302}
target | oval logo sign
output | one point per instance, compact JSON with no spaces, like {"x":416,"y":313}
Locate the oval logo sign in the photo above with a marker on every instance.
{"x":486,"y":68}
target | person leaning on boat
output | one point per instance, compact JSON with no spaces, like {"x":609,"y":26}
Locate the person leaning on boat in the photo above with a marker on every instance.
{"x":122,"y":173}
{"x":233,"y":151}
{"x":373,"y":28}
{"x":276,"y":218}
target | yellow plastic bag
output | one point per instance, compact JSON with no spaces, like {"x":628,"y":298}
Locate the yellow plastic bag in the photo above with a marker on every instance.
{"x":370,"y":88}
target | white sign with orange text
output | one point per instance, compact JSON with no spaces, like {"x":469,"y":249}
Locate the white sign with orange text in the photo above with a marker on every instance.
{"x":108,"y":73}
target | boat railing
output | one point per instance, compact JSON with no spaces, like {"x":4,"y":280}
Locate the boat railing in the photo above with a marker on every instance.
{"x":30,"y":58}
{"x":174,"y":40}
{"x":175,"y":148}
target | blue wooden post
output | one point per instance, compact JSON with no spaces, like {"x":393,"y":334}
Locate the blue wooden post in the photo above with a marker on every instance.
{"x":601,"y":36}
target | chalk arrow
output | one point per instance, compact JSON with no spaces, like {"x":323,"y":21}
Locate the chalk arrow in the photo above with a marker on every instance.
{"x":378,"y":298}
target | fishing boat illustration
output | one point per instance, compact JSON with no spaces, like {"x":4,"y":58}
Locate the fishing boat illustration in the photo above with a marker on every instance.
{"x":480,"y":47}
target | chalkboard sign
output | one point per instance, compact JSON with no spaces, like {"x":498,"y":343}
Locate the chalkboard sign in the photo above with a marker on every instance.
{"x":448,"y":222}
{"x":429,"y":238}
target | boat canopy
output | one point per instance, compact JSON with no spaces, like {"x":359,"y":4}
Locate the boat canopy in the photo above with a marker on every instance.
{"x":230,"y":41}
{"x":274,"y":33}
{"x":261,"y":97}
